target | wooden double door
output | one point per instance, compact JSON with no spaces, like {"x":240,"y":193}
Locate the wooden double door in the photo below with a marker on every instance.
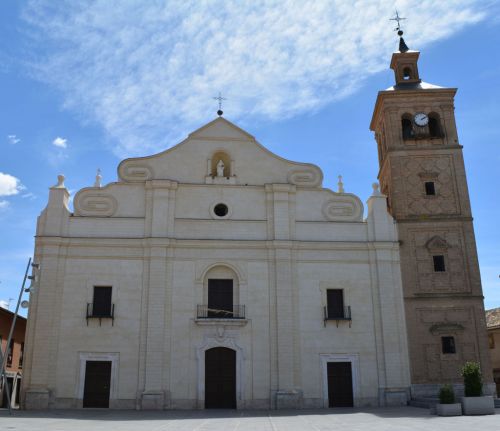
{"x":339,"y":384}
{"x":220,"y":378}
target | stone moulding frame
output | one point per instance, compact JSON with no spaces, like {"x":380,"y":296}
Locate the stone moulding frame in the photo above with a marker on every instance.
{"x":343,"y":208}
{"x":353,"y":358}
{"x":91,"y":203}
{"x":95,"y":356}
{"x":204,"y":267}
{"x":201,"y":281}
{"x":209,"y":343}
{"x":223,"y":202}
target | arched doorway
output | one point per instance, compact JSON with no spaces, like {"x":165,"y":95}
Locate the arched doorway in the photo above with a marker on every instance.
{"x":220,"y":378}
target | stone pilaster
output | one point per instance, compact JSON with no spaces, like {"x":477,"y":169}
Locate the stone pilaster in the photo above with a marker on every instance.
{"x":159,"y":222}
{"x":281,"y":201}
{"x":387,"y":294}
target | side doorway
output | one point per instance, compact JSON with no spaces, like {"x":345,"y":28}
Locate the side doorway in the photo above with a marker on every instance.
{"x":97,"y":384}
{"x":340,"y":393}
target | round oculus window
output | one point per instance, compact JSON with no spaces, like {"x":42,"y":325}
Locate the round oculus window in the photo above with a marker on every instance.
{"x":221,"y":210}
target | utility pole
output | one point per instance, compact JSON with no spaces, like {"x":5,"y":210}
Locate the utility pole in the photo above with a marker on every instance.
{"x":3,"y":355}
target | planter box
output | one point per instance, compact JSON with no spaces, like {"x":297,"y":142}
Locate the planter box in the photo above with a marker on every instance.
{"x":449,"y":409}
{"x":478,"y":405}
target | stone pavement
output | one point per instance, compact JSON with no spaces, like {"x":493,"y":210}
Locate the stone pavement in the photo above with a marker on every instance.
{"x":376,"y":419}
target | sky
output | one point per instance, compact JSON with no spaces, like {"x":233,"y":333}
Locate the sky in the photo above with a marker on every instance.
{"x":85,"y":84}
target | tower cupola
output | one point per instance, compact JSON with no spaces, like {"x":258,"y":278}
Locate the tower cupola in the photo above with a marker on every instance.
{"x":405,"y":66}
{"x":404,"y":62}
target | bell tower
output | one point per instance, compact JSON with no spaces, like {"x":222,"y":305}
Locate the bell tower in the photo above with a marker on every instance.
{"x":422,"y":174}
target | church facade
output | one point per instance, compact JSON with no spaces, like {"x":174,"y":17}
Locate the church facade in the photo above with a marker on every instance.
{"x":219,"y":275}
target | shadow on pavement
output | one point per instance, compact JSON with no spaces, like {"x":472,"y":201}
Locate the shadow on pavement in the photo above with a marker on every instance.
{"x":136,"y":415}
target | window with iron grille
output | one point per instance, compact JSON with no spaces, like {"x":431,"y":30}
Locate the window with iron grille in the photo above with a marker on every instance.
{"x":448,"y":345}
{"x":430,"y":188}
{"x":438,"y":261}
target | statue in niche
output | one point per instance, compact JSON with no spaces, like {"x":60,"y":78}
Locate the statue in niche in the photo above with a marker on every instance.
{"x":220,"y":168}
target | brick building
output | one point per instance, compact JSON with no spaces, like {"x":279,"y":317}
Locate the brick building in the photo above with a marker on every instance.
{"x":15,"y":354}
{"x":493,"y":325}
{"x":422,"y":173}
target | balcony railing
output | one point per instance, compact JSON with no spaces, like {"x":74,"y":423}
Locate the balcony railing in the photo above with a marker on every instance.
{"x":100,"y":313}
{"x":204,"y":312}
{"x":338,"y":315}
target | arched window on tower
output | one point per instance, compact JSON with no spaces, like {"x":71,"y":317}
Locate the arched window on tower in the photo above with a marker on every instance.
{"x":434,"y":125}
{"x":379,"y":146}
{"x":407,"y":126}
{"x":407,"y":73}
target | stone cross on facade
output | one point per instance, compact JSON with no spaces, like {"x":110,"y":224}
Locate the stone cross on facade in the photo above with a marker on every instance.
{"x":219,"y":98}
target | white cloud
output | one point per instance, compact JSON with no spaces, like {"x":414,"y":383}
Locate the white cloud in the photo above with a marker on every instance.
{"x":29,"y":195}
{"x":147,"y":71}
{"x":57,"y":157}
{"x":4,"y":204}
{"x":4,"y":304}
{"x":13,"y":139}
{"x":9,"y":185}
{"x":60,"y":142}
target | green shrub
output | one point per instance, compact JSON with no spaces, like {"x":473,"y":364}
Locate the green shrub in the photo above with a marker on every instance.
{"x":446,"y":395}
{"x":473,"y":380}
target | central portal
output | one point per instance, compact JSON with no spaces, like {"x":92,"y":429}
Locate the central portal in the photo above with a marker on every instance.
{"x":220,"y":378}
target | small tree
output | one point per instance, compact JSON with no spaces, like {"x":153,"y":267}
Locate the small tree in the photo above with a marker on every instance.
{"x":473,"y":380}
{"x":446,"y":395}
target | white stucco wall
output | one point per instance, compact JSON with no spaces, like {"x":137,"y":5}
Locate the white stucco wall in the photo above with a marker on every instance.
{"x":153,"y":238}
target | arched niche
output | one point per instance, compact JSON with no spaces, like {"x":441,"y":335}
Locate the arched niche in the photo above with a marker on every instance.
{"x":216,"y":157}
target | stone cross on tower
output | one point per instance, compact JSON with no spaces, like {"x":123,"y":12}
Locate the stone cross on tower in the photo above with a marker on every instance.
{"x":402,"y":45}
{"x":397,"y":18}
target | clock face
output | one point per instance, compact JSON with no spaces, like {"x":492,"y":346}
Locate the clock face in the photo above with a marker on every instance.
{"x":421,"y":119}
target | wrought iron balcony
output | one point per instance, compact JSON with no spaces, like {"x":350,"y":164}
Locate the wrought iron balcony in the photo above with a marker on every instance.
{"x":236,"y":312}
{"x":100,"y":313}
{"x":343,"y":313}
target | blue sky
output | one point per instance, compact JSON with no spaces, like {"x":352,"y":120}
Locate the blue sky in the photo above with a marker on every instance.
{"x":85,"y":84}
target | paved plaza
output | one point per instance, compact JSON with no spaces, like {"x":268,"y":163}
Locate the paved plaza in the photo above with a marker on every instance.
{"x":377,"y":419}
